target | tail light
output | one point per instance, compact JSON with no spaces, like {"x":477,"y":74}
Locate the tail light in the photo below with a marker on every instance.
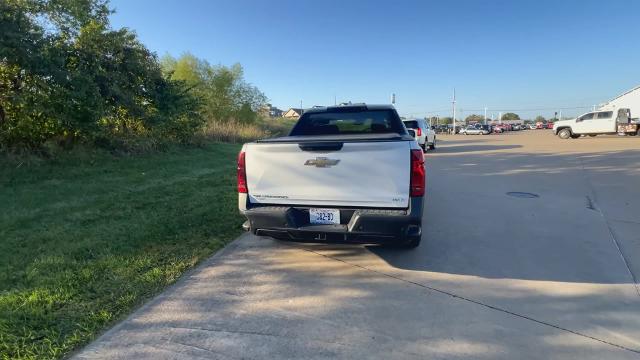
{"x":418,"y":175}
{"x":242,"y":173}
{"x":419,"y":132}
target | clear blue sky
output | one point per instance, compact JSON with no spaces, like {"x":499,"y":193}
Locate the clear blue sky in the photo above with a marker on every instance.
{"x":499,"y":54}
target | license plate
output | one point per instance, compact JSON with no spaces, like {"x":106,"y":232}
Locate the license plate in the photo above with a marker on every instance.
{"x":324,"y":216}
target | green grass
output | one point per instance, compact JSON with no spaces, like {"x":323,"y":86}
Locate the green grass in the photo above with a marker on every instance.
{"x":85,"y":239}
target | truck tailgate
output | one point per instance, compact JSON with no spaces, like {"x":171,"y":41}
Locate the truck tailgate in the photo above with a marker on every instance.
{"x":359,"y":174}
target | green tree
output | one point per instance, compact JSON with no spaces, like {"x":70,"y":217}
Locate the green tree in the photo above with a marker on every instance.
{"x":66,"y":75}
{"x":225,"y":95}
{"x":540,"y":118}
{"x":445,"y":120}
{"x":510,"y":116}
{"x":473,"y":118}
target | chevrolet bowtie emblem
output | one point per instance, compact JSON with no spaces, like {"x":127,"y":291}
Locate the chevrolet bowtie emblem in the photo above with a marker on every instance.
{"x":321,"y":162}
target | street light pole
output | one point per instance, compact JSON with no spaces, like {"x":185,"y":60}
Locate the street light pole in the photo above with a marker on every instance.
{"x":485,"y":115}
{"x":453,"y":104}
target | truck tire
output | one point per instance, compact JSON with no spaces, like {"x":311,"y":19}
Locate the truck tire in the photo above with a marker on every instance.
{"x":433,"y":145}
{"x":412,"y":243}
{"x":564,"y":133}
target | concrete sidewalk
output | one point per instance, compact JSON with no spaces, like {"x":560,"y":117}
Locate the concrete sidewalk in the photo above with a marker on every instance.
{"x":497,"y":277}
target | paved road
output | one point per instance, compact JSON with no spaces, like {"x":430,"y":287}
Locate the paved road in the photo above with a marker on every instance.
{"x":497,"y":277}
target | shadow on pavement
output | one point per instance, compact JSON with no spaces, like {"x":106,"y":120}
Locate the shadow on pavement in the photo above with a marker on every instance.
{"x":588,"y":206}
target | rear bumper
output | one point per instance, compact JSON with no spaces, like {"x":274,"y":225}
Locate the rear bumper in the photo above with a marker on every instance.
{"x":364,"y":226}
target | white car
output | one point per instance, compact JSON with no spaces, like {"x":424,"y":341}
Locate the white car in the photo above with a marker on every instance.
{"x":425,"y":136}
{"x":344,"y":174}
{"x":472,"y":130}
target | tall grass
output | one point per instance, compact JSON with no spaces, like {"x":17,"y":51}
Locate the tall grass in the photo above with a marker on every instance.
{"x":236,"y":132}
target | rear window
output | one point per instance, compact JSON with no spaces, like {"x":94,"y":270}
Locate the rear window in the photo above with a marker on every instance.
{"x":348,"y":122}
{"x":411,"y":124}
{"x":605,"y":115}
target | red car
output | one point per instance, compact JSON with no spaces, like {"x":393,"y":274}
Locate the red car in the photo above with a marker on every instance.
{"x":549,"y":125}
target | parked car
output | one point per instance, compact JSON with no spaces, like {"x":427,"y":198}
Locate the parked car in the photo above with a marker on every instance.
{"x":532,"y":127}
{"x":425,"y":135}
{"x":472,"y":130}
{"x":487,"y":128}
{"x":501,"y":127}
{"x":343,"y":174}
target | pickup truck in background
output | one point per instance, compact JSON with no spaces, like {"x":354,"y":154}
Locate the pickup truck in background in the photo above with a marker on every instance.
{"x":599,"y":122}
{"x":344,"y":174}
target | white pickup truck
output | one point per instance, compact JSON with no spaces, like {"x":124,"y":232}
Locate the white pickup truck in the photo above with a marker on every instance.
{"x":601,"y":122}
{"x":344,"y":174}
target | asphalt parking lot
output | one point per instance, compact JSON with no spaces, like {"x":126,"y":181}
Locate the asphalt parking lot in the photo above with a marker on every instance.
{"x":552,"y":276}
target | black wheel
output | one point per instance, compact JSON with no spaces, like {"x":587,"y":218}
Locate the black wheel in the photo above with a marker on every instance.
{"x":564,"y":134}
{"x":433,"y":145}
{"x":412,"y":243}
{"x":424,"y":148}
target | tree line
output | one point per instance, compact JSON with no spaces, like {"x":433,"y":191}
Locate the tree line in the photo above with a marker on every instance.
{"x":68,"y":77}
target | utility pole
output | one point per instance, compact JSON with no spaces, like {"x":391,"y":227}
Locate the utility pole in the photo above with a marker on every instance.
{"x":500,"y":117}
{"x":453,"y":104}
{"x":485,"y":115}
{"x":335,"y":102}
{"x":393,"y":99}
{"x":301,"y":105}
